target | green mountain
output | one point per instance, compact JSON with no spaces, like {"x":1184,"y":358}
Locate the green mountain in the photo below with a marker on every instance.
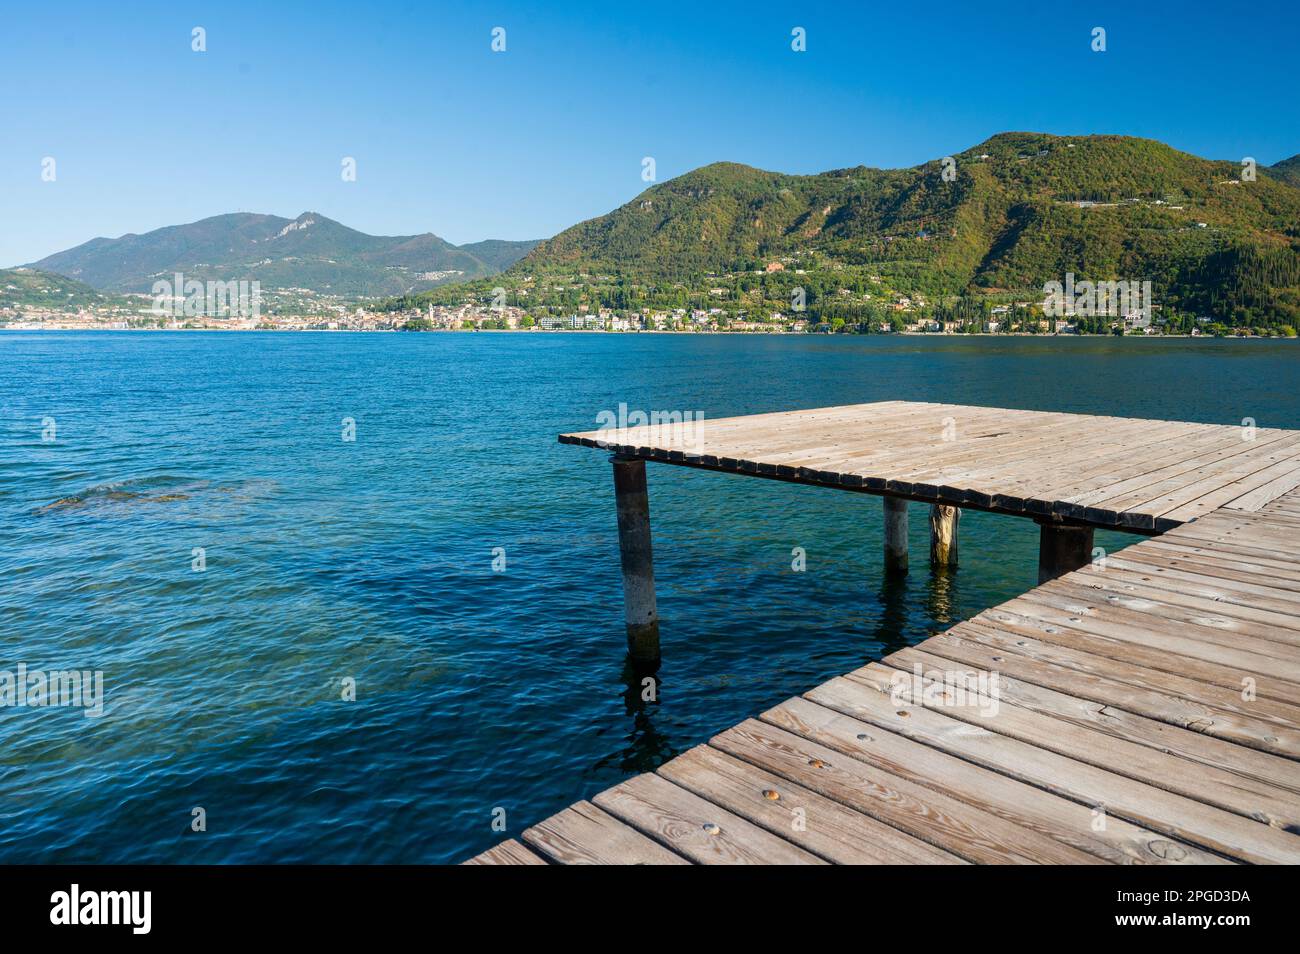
{"x":1288,"y":170}
{"x":499,"y":254}
{"x":26,"y":287}
{"x":310,"y":252}
{"x":1022,"y":209}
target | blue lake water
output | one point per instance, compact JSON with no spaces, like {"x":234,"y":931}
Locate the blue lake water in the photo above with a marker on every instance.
{"x":371,"y":560}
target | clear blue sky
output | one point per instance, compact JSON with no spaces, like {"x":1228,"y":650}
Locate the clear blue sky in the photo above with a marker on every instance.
{"x":452,"y":138}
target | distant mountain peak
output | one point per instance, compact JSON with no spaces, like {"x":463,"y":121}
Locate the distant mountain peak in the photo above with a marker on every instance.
{"x":310,"y":252}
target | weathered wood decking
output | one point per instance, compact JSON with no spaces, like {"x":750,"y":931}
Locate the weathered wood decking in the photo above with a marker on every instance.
{"x":1146,"y":709}
{"x":1126,"y":473}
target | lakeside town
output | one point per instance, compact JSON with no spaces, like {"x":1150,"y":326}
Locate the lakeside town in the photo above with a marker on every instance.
{"x":730,"y":303}
{"x":905,"y":315}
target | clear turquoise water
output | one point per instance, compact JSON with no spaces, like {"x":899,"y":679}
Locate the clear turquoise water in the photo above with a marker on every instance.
{"x":372,"y":560}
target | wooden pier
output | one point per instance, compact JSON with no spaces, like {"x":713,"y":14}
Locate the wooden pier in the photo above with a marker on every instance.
{"x":1141,"y":706}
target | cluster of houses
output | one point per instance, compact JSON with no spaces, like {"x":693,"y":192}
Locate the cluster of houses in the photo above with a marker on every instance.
{"x":479,"y":316}
{"x":909,"y":312}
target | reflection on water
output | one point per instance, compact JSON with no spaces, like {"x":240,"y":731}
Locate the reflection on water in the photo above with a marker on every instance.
{"x":893,"y":619}
{"x":942,"y":596}
{"x":644,"y":748}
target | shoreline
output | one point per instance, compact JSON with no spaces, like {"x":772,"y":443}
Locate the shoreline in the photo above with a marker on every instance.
{"x":576,"y":331}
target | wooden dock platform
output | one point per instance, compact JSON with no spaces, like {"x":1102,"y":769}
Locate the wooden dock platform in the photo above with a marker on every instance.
{"x":1122,"y":473}
{"x":1142,"y":708}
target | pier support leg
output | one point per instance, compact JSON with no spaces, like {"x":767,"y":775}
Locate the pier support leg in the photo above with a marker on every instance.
{"x":943,"y":534}
{"x":895,"y":535}
{"x":1062,"y":549}
{"x":639,"y":610}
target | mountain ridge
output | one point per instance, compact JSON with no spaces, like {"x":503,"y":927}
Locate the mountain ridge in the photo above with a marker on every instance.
{"x":1004,"y":216}
{"x":1000,"y":218}
{"x":310,"y":251}
{"x":1288,"y":170}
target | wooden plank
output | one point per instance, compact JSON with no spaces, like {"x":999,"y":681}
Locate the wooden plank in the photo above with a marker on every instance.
{"x":1132,"y":599}
{"x":1203,"y":540}
{"x":509,"y":852}
{"x":947,"y":462}
{"x":1083,"y":733}
{"x":1286,"y":505}
{"x":767,"y":432}
{"x":1214,"y":492}
{"x":1115,"y":696}
{"x":582,"y":834}
{"x":1080,"y":607}
{"x":893,"y":434}
{"x":1048,"y":469}
{"x":1193,"y":701}
{"x":1073,"y":823}
{"x":1096,"y":462}
{"x":958,"y":827}
{"x":853,"y":451}
{"x":1160,"y":654}
{"x":1223,"y":557}
{"x":1278,"y":606}
{"x":1194,"y":456}
{"x":1265,"y":493}
{"x":1262,"y":778}
{"x":1229,"y":460}
{"x":817,"y":824}
{"x":694,"y":827}
{"x":1283,"y":588}
{"x":1182,"y":818}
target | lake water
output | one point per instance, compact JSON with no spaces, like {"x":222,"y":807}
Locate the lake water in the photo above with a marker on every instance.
{"x":372,"y":560}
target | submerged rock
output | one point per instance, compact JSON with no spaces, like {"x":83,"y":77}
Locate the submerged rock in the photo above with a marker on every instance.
{"x":157,"y":490}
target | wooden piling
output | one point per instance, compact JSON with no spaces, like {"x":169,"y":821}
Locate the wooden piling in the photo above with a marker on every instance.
{"x":639,"y":610}
{"x":895,"y":535}
{"x":943,"y":534}
{"x":1061,"y":549}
